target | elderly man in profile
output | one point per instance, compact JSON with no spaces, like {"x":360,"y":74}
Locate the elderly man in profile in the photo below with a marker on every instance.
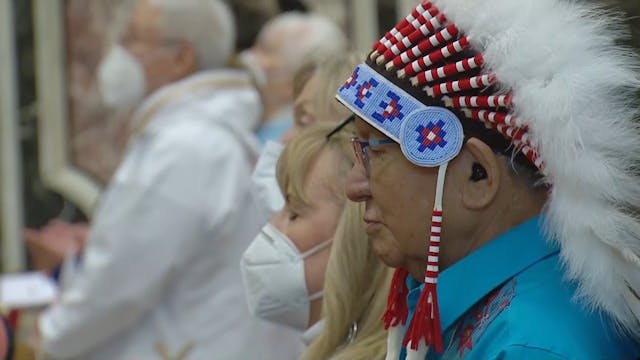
{"x":501,"y":165}
{"x":160,"y":276}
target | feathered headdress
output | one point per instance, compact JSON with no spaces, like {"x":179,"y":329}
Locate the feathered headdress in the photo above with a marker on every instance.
{"x":550,"y":77}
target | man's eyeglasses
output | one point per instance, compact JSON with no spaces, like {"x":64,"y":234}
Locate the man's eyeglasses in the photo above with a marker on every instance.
{"x":340,"y":126}
{"x":362,"y":155}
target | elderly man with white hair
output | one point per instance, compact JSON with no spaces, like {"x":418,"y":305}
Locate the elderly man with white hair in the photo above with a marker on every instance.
{"x":280,"y":49}
{"x":160,"y":275}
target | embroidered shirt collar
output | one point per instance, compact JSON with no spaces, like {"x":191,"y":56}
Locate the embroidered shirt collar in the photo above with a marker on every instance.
{"x":491,"y":265}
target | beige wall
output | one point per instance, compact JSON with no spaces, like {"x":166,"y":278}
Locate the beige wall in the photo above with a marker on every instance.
{"x":11,"y":248}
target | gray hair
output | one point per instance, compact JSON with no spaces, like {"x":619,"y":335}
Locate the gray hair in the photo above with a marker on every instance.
{"x":305,"y":34}
{"x":208,"y":25}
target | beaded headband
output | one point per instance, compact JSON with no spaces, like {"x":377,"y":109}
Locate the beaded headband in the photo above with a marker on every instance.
{"x":420,"y":48}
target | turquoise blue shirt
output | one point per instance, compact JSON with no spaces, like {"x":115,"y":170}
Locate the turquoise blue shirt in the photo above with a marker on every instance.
{"x":508,"y":300}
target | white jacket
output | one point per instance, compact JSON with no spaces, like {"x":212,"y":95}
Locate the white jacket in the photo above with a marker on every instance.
{"x":161,"y":266}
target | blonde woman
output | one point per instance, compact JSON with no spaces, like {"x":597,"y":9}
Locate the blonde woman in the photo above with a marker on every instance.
{"x":355,"y":293}
{"x":283,"y":268}
{"x":311,"y":174}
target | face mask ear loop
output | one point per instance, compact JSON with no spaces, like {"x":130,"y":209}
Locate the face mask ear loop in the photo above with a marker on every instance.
{"x":316,"y":249}
{"x":316,"y":296}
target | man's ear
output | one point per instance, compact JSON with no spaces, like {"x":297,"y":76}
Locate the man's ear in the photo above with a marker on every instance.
{"x":482,"y":182}
{"x":186,"y":61}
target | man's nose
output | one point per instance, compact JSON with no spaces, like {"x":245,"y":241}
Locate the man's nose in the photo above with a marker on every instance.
{"x":358,"y":184}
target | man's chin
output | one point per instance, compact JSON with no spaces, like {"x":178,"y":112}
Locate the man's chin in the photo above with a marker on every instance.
{"x":391,"y":262}
{"x":387,"y":253}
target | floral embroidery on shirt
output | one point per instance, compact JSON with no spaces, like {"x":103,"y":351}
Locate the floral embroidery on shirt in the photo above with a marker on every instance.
{"x":474,"y":323}
{"x":466,"y":340}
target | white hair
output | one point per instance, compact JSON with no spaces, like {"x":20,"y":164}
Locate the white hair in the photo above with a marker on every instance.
{"x":305,"y":34}
{"x":208,"y":25}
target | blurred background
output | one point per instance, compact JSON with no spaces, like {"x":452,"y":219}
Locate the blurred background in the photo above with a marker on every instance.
{"x":59,"y":144}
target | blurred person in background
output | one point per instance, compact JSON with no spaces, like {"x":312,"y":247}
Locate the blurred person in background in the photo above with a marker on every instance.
{"x":49,"y":246}
{"x":125,"y":80}
{"x":283,"y":268}
{"x":313,"y":87}
{"x":159,"y":275}
{"x":280,"y":49}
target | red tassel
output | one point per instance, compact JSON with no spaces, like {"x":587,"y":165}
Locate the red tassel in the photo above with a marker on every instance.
{"x":397,"y":310}
{"x":425,"y":323}
{"x":14,"y":319}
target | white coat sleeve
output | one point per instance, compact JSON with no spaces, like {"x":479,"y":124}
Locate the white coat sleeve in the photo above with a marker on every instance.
{"x":145,"y":230}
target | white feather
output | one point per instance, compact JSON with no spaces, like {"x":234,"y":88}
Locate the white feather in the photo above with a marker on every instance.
{"x":419,"y":354}
{"x":575,"y":89}
{"x":394,"y":342}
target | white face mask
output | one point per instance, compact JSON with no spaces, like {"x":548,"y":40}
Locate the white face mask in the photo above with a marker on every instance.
{"x":121,"y":79}
{"x":249,"y":61}
{"x":265,"y":185}
{"x":273,"y":276}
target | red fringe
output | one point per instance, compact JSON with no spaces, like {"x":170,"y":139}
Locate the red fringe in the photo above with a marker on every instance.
{"x":397,"y":310}
{"x":423,"y":325}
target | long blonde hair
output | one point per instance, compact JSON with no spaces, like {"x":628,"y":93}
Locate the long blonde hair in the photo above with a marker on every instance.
{"x":355,"y":290}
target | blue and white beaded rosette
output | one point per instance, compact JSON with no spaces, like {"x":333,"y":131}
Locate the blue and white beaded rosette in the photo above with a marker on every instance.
{"x":429,"y":136}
